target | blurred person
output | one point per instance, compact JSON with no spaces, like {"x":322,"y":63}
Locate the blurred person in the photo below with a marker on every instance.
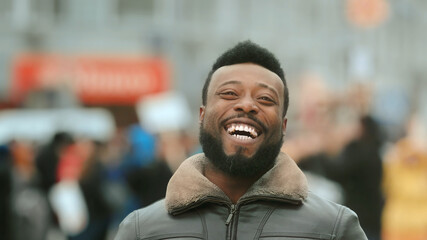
{"x":358,"y":169}
{"x":5,"y":191}
{"x":350,"y":157}
{"x":149,"y":183}
{"x":141,"y":147}
{"x":47,"y":161}
{"x":320,"y":133}
{"x":145,"y":177}
{"x":92,"y":182}
{"x":66,"y":196}
{"x":29,"y":205}
{"x":73,"y":159}
{"x":405,"y":186}
{"x":359,"y":97}
{"x":358,"y":166}
{"x":325,"y":122}
{"x":117,"y":158}
{"x":242,"y":186}
{"x":171,"y":148}
{"x":48,"y":158}
{"x":81,"y":177}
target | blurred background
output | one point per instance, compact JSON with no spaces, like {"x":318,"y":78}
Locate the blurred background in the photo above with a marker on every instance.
{"x":99,"y":104}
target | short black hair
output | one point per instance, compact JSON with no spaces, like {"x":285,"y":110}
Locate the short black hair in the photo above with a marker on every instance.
{"x":248,"y":52}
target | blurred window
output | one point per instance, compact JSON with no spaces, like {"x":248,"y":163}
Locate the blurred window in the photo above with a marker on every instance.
{"x":136,"y":7}
{"x":25,"y":15}
{"x":5,"y":8}
{"x":197,"y":11}
{"x":83,"y":13}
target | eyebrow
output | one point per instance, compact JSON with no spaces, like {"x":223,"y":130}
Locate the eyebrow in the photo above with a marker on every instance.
{"x":270,"y":88}
{"x":230,"y":82}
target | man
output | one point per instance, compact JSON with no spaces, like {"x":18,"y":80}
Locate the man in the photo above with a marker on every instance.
{"x":242,"y":186}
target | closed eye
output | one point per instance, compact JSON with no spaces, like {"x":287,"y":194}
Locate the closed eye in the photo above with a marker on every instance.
{"x":267,"y":100}
{"x":228,"y":95}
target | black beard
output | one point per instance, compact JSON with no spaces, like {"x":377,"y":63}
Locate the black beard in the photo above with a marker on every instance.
{"x":238,"y":165}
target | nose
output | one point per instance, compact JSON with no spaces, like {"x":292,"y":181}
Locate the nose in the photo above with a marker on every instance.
{"x":247,"y":105}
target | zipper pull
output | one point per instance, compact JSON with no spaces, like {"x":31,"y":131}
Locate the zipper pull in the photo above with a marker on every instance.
{"x":230,"y":216}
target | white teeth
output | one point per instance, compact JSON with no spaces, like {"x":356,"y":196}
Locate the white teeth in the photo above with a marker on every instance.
{"x":253,"y":132}
{"x":231,"y":129}
{"x":241,"y":127}
{"x":241,"y":137}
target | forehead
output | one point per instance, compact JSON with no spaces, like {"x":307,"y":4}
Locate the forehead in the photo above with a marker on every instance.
{"x":247,"y":74}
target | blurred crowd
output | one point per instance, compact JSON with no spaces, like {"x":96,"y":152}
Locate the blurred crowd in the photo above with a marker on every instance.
{"x":80,"y":188}
{"x":351,"y":157}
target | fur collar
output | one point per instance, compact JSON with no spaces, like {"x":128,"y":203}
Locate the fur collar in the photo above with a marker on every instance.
{"x":188,"y":187}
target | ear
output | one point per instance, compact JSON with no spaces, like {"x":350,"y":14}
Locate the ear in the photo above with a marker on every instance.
{"x":285,"y":122}
{"x":201,"y":113}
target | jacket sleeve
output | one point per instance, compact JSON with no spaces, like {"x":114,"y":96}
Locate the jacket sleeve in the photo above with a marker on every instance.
{"x":127,"y":228}
{"x":348,"y":226}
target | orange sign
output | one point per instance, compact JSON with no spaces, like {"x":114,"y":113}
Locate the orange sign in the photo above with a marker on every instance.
{"x":95,"y":80}
{"x":367,"y":13}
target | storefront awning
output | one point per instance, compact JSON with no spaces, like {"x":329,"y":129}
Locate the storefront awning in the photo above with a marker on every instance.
{"x":96,"y":80}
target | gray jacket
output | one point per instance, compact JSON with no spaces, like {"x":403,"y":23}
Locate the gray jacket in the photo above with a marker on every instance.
{"x":277,"y":206}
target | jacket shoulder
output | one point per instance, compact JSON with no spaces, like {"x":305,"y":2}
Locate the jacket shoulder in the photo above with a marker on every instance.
{"x":154,"y":222}
{"x":323,"y":218}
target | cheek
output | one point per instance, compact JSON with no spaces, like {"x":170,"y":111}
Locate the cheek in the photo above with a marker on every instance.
{"x":209,"y":121}
{"x":275,"y":124}
{"x":273,"y":119}
{"x":214,"y":113}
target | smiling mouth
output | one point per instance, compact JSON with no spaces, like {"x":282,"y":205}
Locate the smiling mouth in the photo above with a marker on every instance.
{"x":242,"y":131}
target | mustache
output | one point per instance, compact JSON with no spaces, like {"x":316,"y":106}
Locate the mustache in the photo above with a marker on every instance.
{"x":245,"y":115}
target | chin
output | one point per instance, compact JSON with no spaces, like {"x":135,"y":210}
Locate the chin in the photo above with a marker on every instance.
{"x":240,"y":151}
{"x":234,"y":159}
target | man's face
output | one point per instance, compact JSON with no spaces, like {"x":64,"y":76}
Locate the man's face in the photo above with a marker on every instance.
{"x":243,"y":116}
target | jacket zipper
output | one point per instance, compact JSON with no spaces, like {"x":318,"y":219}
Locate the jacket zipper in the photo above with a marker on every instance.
{"x":230,"y":223}
{"x":230,"y":216}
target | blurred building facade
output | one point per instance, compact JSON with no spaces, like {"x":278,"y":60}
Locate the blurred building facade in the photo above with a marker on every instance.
{"x":315,"y":35}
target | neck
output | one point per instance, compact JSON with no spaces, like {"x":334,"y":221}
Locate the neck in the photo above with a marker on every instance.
{"x":233,"y":187}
